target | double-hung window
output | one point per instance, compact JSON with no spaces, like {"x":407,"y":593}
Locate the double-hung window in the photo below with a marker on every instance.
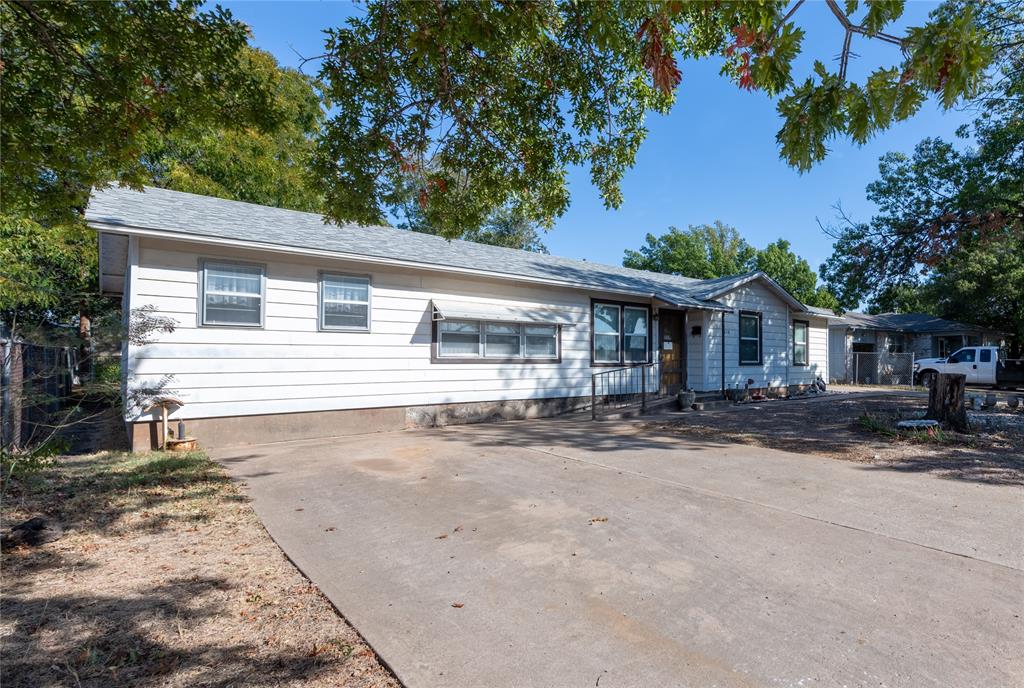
{"x":800,"y":329}
{"x":344,"y":302}
{"x":233,"y":294}
{"x":750,"y":338}
{"x":621,"y":333}
{"x":477,"y":339}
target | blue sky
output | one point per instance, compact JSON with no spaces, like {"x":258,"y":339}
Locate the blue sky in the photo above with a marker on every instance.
{"x":714,"y":157}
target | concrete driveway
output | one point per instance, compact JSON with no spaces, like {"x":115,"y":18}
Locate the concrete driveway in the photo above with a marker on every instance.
{"x":569,"y":553}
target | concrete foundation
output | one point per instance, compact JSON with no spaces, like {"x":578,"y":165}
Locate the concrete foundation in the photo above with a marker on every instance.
{"x":240,"y":430}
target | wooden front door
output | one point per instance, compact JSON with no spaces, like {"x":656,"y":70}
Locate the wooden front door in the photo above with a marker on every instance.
{"x":673,"y":350}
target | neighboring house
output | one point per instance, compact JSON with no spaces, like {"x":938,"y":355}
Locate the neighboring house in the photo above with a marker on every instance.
{"x":880,"y":336}
{"x":289,"y":327}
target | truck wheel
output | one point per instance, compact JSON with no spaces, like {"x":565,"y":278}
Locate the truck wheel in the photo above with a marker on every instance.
{"x":927,"y":378}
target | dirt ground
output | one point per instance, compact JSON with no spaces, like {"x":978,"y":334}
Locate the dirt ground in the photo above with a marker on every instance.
{"x":831,"y":426}
{"x":164,"y":577}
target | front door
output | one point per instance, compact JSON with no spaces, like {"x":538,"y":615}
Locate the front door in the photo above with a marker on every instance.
{"x":673,"y":351}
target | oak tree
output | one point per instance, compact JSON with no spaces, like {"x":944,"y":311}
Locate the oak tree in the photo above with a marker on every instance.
{"x":488,"y":104}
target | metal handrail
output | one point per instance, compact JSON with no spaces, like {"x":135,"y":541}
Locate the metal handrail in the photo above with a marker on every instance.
{"x":622,"y":387}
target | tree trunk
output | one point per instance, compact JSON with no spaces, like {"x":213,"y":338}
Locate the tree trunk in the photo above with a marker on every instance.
{"x":946,"y":401}
{"x":84,"y":344}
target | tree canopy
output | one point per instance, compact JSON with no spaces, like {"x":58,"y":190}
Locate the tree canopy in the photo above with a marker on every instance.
{"x":247,"y":163}
{"x":88,"y":92}
{"x":718,"y":250}
{"x":949,"y":231}
{"x":483,"y":105}
{"x":794,"y":273}
{"x":84,"y":85}
{"x":505,"y":226}
{"x":701,"y":252}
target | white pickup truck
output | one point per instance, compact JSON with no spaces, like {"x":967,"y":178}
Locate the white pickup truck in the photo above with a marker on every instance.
{"x":981,"y":364}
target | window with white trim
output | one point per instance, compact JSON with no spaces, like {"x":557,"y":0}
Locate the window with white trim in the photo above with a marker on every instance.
{"x":607,"y":333}
{"x":750,"y":338}
{"x":634,"y":330}
{"x":477,"y":339}
{"x":344,"y":302}
{"x":800,"y":329}
{"x":621,"y":333}
{"x":233,"y":294}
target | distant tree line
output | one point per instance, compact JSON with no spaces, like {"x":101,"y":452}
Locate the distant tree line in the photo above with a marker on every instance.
{"x":718,"y":250}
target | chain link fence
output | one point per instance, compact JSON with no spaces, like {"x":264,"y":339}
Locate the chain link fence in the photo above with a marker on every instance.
{"x":879,"y":368}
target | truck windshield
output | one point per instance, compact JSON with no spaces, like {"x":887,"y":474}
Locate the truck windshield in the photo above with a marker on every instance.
{"x":962,"y":356}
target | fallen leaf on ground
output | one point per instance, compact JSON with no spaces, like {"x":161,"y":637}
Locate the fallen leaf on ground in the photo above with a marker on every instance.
{"x":598,"y":519}
{"x":442,"y":536}
{"x":458,"y":605}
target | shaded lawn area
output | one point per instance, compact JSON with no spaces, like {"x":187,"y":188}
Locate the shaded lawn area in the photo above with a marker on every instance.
{"x":164,"y":577}
{"x":833,"y":426}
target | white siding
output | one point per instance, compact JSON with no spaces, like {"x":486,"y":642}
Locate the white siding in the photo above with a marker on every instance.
{"x":695,"y":348}
{"x":775,"y":369}
{"x":290,"y":366}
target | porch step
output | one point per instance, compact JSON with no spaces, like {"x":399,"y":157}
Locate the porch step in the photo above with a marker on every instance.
{"x":712,"y":404}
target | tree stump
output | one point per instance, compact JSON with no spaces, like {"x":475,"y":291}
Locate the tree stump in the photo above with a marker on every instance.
{"x":946,"y":401}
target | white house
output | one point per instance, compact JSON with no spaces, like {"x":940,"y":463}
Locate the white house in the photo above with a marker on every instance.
{"x":287,"y":327}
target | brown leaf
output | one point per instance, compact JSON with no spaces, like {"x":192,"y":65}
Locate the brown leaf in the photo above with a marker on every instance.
{"x":458,"y":605}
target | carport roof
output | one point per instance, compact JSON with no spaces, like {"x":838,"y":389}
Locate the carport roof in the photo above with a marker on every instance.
{"x":190,"y":217}
{"x":921,"y":323}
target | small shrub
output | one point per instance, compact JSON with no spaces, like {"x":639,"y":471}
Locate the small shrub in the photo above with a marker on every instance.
{"x":875,"y":425}
{"x":23,"y":465}
{"x":108,"y":373}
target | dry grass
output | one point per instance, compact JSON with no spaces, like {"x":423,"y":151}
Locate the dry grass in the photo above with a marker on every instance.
{"x":165,"y":577}
{"x":836,"y":427}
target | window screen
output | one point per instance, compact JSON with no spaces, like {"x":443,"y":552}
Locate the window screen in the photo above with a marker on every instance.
{"x":232,"y":294}
{"x":344,"y":302}
{"x":750,"y":338}
{"x":635,"y":333}
{"x":606,"y":333}
{"x":458,"y":338}
{"x":799,"y":343}
{"x":478,"y":339}
{"x":621,"y":334}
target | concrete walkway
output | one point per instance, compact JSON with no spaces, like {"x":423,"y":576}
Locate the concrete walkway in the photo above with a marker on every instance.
{"x":570,"y":553}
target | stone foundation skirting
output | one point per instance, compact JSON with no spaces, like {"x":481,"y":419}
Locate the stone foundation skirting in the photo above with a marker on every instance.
{"x":241,"y":430}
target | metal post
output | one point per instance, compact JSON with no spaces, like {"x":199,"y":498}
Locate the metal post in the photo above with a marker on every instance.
{"x":6,"y":410}
{"x":593,"y":397}
{"x":856,"y":369}
{"x":912,"y":356}
{"x":643,"y":388}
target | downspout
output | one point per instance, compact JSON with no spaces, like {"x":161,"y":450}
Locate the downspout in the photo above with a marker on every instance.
{"x":789,"y":335}
{"x":723,"y":353}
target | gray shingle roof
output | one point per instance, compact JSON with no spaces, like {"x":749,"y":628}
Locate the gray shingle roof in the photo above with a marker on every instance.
{"x":907,"y":322}
{"x":191,"y":216}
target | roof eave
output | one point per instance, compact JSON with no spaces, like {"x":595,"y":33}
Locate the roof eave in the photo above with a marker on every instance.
{"x":760,"y":275}
{"x":118,"y":228}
